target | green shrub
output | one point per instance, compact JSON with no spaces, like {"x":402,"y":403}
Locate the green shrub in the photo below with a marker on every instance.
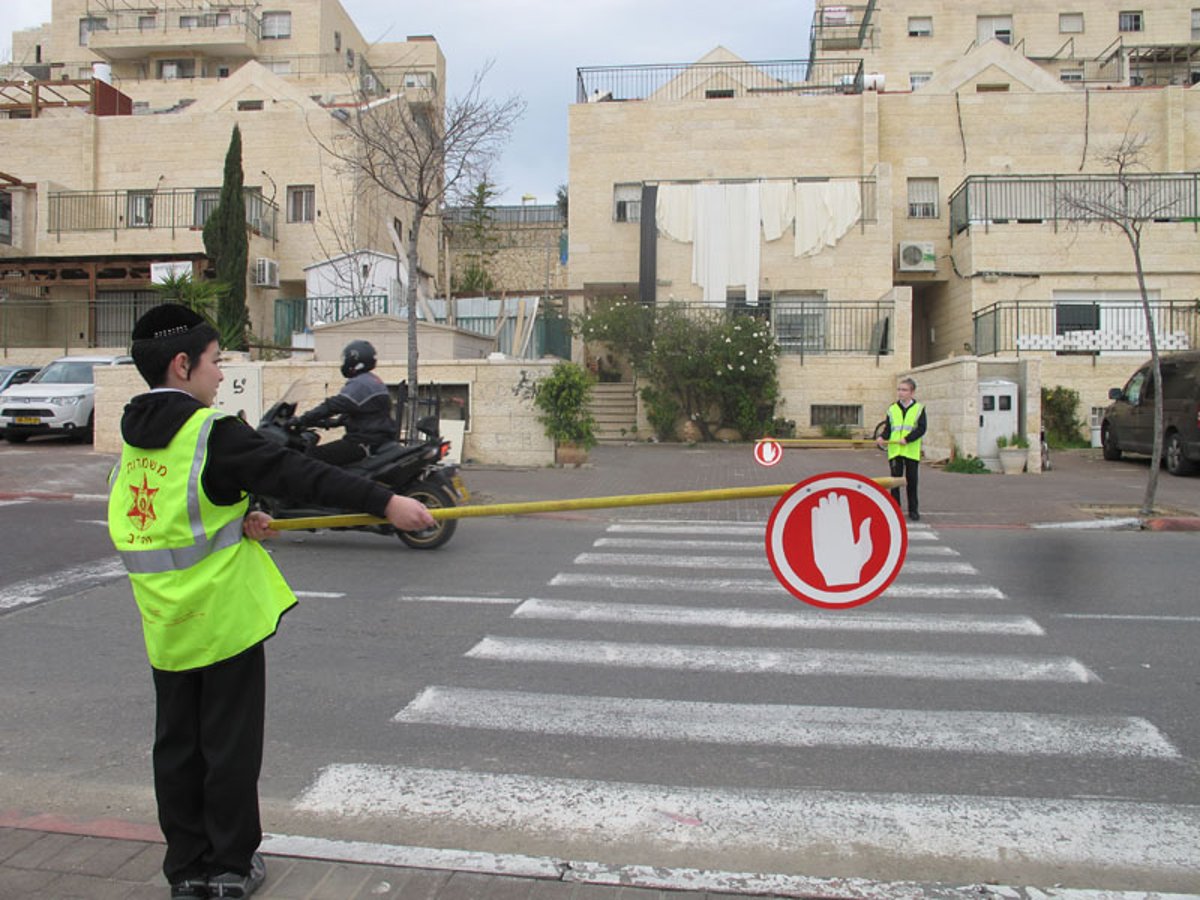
{"x":783,"y":428}
{"x":708,"y":367}
{"x":1063,"y":426}
{"x":562,"y":396}
{"x":967,"y":465}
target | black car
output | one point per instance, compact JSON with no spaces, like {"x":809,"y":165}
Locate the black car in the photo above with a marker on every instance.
{"x":1128,"y":425}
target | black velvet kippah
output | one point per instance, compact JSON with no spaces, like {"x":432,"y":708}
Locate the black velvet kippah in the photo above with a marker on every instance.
{"x":166,"y":320}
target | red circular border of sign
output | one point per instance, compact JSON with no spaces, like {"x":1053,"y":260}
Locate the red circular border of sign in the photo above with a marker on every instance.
{"x":881,"y":498}
{"x":758,"y":451}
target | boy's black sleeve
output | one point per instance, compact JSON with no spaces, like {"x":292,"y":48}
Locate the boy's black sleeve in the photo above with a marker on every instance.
{"x":241,"y":461}
{"x":919,"y":430}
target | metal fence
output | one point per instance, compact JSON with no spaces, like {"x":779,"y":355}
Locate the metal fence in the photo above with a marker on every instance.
{"x":1081,"y":328}
{"x":716,"y":80}
{"x":172,"y":209}
{"x":997,"y":199}
{"x":73,"y":324}
{"x":816,"y":327}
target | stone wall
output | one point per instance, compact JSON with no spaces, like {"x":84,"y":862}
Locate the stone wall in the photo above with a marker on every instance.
{"x":503,"y":425}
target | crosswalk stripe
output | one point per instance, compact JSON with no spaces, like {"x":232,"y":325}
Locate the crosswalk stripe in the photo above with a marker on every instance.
{"x":651,"y":614}
{"x":806,"y":661}
{"x":636,"y":543}
{"x":787,"y":725}
{"x":13,"y":502}
{"x":743,"y":562}
{"x":755,"y":586}
{"x":81,"y":576}
{"x":445,"y":598}
{"x":320,"y":595}
{"x":918,"y":829}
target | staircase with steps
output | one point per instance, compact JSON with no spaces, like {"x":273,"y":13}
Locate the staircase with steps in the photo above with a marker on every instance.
{"x":614,"y":407}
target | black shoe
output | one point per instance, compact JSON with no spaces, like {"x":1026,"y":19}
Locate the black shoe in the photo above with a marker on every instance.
{"x":234,"y":886}
{"x":914,"y":517}
{"x":190,"y":889}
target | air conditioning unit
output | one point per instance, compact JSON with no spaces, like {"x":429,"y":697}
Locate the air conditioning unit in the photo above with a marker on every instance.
{"x":917,"y":256}
{"x":266,"y":272}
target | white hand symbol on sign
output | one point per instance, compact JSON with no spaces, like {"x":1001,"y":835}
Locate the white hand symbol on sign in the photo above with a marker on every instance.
{"x":839,"y":557}
{"x":768,"y":452}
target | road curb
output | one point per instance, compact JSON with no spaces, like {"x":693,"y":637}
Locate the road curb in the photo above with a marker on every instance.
{"x":1172,"y":523}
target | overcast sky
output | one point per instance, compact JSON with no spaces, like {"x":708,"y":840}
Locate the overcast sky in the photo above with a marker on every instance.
{"x":535,"y":46}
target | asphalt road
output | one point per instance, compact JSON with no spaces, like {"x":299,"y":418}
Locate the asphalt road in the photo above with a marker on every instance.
{"x":1019,"y":707}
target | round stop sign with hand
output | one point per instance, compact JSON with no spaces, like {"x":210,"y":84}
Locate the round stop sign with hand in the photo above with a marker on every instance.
{"x":836,"y":540}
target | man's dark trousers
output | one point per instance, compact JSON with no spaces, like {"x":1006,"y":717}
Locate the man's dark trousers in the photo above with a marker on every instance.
{"x":208,"y":744}
{"x":903,"y":466}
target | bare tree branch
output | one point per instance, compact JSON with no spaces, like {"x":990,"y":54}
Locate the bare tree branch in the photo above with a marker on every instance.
{"x":420,"y":154}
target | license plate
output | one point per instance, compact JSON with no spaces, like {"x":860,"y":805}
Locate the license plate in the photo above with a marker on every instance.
{"x":461,"y":488}
{"x":27,"y":420}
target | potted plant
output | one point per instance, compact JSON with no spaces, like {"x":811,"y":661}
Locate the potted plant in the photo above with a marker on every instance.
{"x":562,"y":397}
{"x":1014,"y":452}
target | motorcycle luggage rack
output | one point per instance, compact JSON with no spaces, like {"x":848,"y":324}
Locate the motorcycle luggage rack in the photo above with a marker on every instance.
{"x":429,"y":403}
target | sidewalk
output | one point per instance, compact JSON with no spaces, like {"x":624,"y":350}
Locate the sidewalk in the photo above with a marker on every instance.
{"x":59,"y":859}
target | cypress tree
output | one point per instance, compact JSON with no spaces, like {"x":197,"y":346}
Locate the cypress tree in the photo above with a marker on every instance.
{"x":227,"y":244}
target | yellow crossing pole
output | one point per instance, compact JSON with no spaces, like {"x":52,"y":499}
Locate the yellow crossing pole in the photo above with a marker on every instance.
{"x":352,"y":520}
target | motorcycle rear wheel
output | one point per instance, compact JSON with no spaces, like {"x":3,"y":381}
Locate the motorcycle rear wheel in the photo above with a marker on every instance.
{"x":434,"y":496}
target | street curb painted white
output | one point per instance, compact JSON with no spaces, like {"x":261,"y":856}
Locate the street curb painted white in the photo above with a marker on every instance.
{"x":669,"y":878}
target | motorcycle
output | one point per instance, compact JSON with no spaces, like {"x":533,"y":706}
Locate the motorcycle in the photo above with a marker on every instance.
{"x":416,"y":470}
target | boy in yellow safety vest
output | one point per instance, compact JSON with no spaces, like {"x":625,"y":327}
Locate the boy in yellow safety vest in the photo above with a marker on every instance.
{"x":208,"y":594}
{"x":901,"y":435}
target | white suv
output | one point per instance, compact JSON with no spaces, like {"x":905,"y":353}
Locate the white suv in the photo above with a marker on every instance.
{"x":58,"y":400}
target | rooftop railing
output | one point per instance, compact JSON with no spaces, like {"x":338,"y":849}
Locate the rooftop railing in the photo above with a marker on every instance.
{"x":544,"y":214}
{"x":171,"y":208}
{"x":1070,"y":328}
{"x":999,"y":199}
{"x":718,"y":80}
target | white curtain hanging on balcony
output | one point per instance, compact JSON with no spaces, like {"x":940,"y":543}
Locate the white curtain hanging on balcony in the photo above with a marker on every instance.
{"x":725,"y":250}
{"x":825,"y":211}
{"x":675,"y":212}
{"x":778,"y":202}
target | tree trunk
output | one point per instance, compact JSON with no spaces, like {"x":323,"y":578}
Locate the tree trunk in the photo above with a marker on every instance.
{"x":1155,"y":379}
{"x":414,"y":234}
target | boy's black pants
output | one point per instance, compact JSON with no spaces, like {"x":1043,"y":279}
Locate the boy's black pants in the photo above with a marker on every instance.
{"x":208,"y":743}
{"x":902,"y":465}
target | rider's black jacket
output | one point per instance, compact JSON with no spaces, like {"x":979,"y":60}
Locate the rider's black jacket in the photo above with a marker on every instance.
{"x":367,"y":407}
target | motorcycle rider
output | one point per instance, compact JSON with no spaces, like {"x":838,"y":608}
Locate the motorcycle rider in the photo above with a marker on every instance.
{"x":364,"y":404}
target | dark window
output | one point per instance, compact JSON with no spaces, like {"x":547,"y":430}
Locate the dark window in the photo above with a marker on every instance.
{"x":989,"y":403}
{"x":1005,"y":402}
{"x":721,"y":94}
{"x":249,"y":105}
{"x":6,"y":215}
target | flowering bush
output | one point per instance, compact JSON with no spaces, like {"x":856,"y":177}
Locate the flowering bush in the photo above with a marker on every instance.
{"x":716,"y":369}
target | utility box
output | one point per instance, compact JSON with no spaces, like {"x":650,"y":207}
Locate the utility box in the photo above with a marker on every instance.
{"x":997,"y":418}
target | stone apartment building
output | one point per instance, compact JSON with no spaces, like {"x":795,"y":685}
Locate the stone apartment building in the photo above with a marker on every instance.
{"x":115,"y":118}
{"x":909,"y":199}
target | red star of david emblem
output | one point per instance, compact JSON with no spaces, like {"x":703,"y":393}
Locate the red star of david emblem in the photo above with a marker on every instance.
{"x":142,"y":511}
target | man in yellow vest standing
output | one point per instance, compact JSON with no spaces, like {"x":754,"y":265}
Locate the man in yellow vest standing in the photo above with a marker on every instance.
{"x":901,"y":435}
{"x":209,"y":595}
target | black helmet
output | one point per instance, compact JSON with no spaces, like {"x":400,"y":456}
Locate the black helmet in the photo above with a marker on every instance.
{"x":357,"y":357}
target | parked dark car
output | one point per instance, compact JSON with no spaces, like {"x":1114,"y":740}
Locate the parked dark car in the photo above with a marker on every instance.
{"x":1128,"y":425}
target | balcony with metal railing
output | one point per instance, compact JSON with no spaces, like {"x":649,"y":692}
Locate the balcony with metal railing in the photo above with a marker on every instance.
{"x":986,"y":200}
{"x":718,"y":80}
{"x":134,"y":34}
{"x":1072,"y":328}
{"x":814,"y":327}
{"x":149,"y":211}
{"x":843,"y":27}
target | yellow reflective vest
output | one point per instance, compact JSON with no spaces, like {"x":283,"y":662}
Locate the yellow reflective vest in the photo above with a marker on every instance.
{"x":205,"y":592}
{"x":901,"y":422}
